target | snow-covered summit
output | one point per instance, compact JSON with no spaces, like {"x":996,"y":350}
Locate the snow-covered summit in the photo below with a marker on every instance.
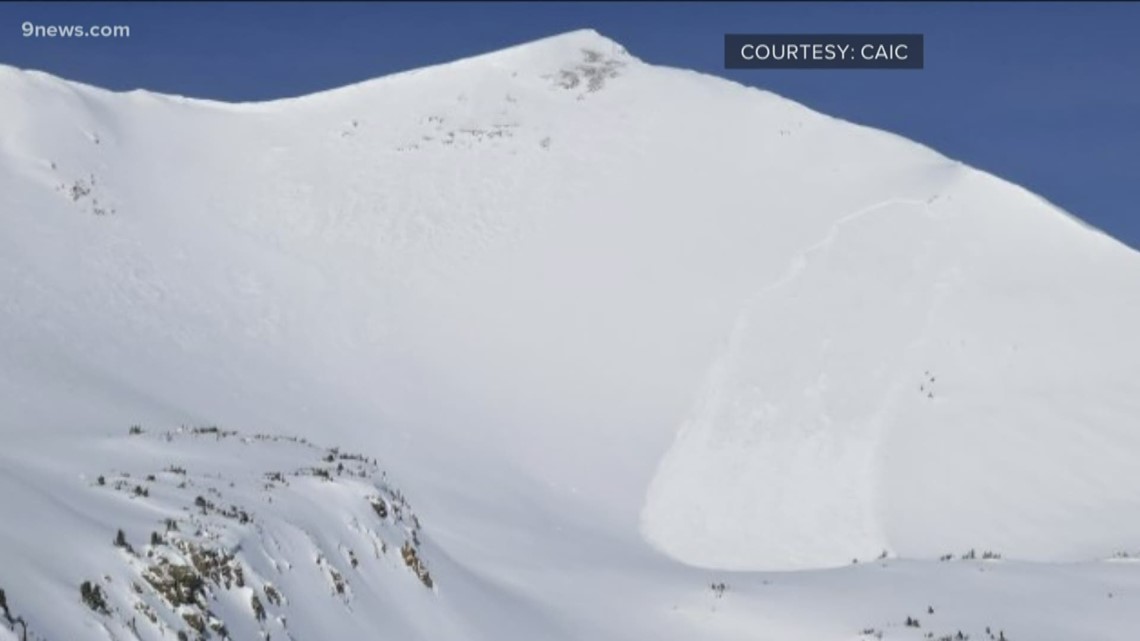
{"x":558,"y":49}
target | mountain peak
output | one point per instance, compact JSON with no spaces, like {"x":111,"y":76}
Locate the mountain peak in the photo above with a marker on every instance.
{"x":579,"y":37}
{"x":560,"y":48}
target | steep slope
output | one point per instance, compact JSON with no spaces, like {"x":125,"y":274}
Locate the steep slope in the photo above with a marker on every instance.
{"x":575,"y":304}
{"x":933,"y":374}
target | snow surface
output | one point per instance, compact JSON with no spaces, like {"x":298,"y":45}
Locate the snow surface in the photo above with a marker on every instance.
{"x":618,"y":332}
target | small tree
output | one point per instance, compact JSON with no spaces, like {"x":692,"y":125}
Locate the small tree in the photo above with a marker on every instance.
{"x":93,"y":597}
{"x":121,"y":542}
{"x":257,"y":607}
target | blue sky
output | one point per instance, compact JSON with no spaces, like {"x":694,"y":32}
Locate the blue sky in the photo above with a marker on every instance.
{"x":1044,"y":94}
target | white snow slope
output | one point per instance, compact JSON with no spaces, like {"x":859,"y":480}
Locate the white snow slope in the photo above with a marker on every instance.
{"x":618,"y":332}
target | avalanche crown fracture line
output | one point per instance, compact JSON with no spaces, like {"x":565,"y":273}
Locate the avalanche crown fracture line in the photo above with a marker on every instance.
{"x":823,"y":51}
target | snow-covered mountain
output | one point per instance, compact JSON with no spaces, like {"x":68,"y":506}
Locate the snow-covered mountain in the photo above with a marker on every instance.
{"x":632,"y":342}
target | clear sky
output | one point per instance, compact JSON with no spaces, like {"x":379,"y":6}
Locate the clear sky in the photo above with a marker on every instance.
{"x":1044,"y":94}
